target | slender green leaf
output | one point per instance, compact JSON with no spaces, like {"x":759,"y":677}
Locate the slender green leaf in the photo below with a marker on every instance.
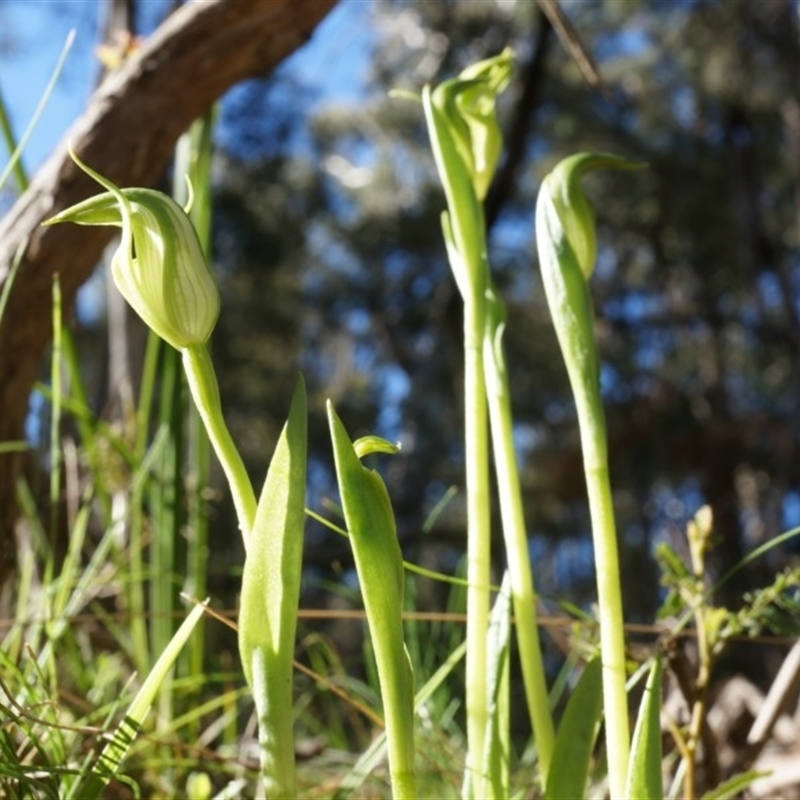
{"x":497,"y":747}
{"x":576,"y":736}
{"x":379,"y":562}
{"x":270,"y":596}
{"x":734,"y":786}
{"x":10,"y":277}
{"x":371,"y":757}
{"x":644,"y":768}
{"x":16,"y":147}
{"x":115,"y":750}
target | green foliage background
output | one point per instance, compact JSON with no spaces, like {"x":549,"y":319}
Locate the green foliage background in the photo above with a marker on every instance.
{"x":327,"y":246}
{"x":328,"y":250}
{"x":331,"y":259}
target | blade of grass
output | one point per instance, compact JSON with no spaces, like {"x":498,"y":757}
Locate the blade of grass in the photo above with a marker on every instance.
{"x":193,"y":161}
{"x":17,"y":148}
{"x":55,"y":427}
{"x":9,"y":281}
{"x":644,"y":769}
{"x":576,"y":735}
{"x":136,"y":586}
{"x":116,"y":749}
{"x":77,"y":403}
{"x":166,"y":510}
{"x":376,"y":752}
{"x":498,"y":735}
{"x":734,"y":786}
{"x":407,"y":565}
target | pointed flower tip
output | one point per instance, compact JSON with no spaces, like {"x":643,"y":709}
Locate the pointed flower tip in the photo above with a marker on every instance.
{"x":496,"y":70}
{"x":367,"y":445}
{"x":468,"y":104}
{"x":576,"y":166}
{"x":576,"y":218}
{"x":405,"y":94}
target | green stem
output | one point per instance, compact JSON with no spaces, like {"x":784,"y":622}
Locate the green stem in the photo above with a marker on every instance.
{"x":567,"y":243}
{"x":609,"y":592}
{"x":476,"y":440}
{"x":516,"y":540}
{"x":398,"y":714}
{"x":273,"y":689}
{"x":465,"y":140}
{"x":139,"y":634}
{"x":205,"y":390}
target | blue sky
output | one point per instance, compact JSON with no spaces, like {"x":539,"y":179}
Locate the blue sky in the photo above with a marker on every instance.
{"x":33,"y":33}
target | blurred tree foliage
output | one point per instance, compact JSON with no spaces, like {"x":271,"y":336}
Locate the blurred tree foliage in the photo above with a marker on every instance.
{"x":332,"y":260}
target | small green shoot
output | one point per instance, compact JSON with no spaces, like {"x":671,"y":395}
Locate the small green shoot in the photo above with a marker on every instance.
{"x":269,"y":600}
{"x":370,"y":523}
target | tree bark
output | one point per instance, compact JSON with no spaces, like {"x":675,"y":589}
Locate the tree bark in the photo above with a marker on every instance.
{"x":127,"y":133}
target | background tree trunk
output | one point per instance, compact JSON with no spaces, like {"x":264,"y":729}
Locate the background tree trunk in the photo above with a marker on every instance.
{"x":127,"y":134}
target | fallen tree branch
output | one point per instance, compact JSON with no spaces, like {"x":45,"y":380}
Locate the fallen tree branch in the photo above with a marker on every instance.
{"x":127,"y":133}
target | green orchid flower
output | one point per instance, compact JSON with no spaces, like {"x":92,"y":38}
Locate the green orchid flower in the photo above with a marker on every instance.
{"x":567,"y":244}
{"x":161,"y":270}
{"x":159,"y":266}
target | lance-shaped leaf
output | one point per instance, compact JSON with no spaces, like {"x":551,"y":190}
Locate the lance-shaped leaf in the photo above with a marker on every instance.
{"x":270,"y":596}
{"x":644,"y":769}
{"x":576,"y":735}
{"x":497,"y":752}
{"x":159,"y":266}
{"x":117,"y":747}
{"x":379,"y":562}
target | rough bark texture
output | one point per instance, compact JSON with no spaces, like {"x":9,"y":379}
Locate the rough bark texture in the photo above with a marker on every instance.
{"x":127,"y":133}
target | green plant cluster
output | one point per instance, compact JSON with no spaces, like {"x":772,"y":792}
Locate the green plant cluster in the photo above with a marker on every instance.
{"x":161,"y":269}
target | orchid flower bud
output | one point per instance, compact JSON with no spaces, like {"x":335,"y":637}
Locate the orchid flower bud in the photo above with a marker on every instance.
{"x":159,"y":266}
{"x":483,"y":82}
{"x":468,"y":102}
{"x":567,"y":243}
{"x":572,"y":213}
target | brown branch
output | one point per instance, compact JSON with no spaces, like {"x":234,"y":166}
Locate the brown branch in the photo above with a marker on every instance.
{"x":127,"y":133}
{"x":574,"y":46}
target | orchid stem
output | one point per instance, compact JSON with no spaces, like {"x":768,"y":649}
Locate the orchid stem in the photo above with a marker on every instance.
{"x":205,"y":390}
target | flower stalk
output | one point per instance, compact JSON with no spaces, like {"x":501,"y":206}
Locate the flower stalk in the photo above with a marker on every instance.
{"x":566,"y":237}
{"x":466,"y":142}
{"x":161,"y":270}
